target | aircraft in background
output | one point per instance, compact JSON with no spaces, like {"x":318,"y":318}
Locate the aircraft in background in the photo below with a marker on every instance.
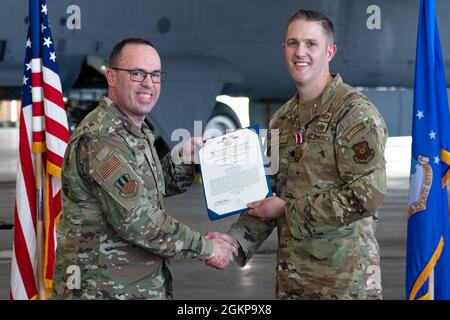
{"x":218,"y":47}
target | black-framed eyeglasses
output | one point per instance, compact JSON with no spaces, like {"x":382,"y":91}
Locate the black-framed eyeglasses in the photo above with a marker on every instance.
{"x":139,"y":75}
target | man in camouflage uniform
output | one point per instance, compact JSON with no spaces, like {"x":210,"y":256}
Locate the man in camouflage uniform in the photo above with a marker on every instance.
{"x":114,"y":237}
{"x":331,"y":179}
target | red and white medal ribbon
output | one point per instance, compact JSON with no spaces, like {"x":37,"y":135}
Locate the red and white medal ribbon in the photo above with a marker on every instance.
{"x":298,"y":138}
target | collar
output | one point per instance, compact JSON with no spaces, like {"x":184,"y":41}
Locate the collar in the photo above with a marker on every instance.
{"x":132,"y":128}
{"x":323,"y":104}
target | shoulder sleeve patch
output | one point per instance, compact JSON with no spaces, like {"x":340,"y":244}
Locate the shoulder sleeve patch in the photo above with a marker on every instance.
{"x":363,"y":153}
{"x":360,"y":126}
{"x":127,"y":186}
{"x":103,"y":153}
{"x":109,"y":168}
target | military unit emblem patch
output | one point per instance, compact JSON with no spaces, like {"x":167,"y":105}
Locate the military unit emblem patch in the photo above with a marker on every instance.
{"x":363,"y":154}
{"x":127,"y":187}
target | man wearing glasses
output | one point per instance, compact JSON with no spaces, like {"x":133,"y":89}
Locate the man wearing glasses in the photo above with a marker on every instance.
{"x":115,"y":237}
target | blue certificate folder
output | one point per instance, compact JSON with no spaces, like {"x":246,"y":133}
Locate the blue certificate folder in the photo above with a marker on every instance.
{"x":215,"y":215}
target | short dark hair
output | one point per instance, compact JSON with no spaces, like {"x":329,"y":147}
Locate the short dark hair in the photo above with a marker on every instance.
{"x":117,"y":50}
{"x":311,"y":15}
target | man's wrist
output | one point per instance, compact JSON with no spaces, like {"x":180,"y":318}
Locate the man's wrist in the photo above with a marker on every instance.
{"x":208,"y":249}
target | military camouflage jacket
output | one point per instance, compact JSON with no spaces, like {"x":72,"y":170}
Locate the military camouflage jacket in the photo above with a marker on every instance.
{"x":114,"y":236}
{"x":332,"y":177}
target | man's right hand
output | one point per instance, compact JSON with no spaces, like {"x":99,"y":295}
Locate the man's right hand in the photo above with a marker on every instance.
{"x":267,"y":209}
{"x":225,"y":249}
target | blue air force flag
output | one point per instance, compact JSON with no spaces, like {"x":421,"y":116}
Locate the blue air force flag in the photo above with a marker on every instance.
{"x":428,"y":244}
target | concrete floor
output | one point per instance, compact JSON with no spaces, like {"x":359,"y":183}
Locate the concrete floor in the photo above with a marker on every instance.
{"x":256,"y":281}
{"x":193,"y":279}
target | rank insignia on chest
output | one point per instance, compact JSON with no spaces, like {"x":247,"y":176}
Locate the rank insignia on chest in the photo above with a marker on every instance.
{"x":324,"y":121}
{"x":321,"y":127}
{"x":326,"y":117}
{"x":363,"y":154}
{"x":127,"y":187}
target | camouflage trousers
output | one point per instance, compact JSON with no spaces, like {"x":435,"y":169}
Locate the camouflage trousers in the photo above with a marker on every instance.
{"x":328,"y":267}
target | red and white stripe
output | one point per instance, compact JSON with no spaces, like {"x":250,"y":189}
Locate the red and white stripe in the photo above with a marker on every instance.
{"x":56,"y":126}
{"x":298,"y":137}
{"x":44,"y":121}
{"x":38,"y":105}
{"x":24,"y":259}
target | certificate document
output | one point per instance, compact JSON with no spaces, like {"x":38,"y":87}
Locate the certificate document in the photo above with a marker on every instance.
{"x":233,"y":173}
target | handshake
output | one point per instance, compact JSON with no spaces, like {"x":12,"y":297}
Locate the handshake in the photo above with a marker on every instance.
{"x":225,"y":249}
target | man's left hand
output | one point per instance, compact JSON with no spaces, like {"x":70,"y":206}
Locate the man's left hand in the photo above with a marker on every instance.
{"x":189,"y":154}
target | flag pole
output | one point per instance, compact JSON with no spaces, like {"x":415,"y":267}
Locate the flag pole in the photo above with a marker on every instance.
{"x":431,"y":285}
{"x":40,"y":226}
{"x":38,"y":146}
{"x":448,"y":197}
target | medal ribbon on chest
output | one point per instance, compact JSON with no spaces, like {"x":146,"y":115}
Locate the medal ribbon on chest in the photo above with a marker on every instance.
{"x":299,"y":138}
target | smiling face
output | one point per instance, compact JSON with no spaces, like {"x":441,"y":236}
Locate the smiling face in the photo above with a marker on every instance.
{"x":136,"y":99}
{"x":308,"y":51}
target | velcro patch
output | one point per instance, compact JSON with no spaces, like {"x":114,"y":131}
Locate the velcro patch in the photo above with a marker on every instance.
{"x":322,"y":126}
{"x":102,"y":154}
{"x":109,"y":168}
{"x":360,"y":126}
{"x":283,"y":139}
{"x":127,"y":187}
{"x":326,"y":117}
{"x":363,"y":154}
{"x":319,"y":138}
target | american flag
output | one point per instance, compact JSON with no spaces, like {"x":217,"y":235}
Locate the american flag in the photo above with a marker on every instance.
{"x":43,"y":130}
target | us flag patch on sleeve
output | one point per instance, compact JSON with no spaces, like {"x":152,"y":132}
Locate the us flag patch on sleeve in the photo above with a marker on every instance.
{"x":109,"y":168}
